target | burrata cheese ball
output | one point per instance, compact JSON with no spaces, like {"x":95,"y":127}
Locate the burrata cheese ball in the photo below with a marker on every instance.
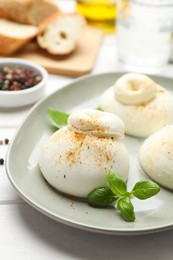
{"x":142,"y":104}
{"x":76,"y":158}
{"x":156,"y":156}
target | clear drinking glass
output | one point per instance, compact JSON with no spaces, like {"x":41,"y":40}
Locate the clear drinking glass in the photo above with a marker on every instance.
{"x":144,"y":32}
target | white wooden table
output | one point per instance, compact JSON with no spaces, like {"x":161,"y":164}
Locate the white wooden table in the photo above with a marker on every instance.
{"x":27,"y":234}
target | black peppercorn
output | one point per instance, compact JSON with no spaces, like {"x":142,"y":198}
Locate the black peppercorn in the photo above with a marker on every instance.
{"x":6,"y":141}
{"x":1,"y":161}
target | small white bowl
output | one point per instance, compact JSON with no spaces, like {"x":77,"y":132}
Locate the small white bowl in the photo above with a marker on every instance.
{"x":18,"y":98}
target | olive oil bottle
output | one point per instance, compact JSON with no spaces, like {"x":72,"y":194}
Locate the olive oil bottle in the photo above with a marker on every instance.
{"x":99,"y":13}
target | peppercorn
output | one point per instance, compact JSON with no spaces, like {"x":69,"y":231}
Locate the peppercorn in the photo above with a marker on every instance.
{"x":6,"y":141}
{"x":18,"y":78}
{"x":1,"y":161}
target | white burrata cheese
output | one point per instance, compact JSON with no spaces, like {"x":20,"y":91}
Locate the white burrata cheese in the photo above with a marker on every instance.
{"x":144,"y":106}
{"x":76,"y":159}
{"x":156,"y":156}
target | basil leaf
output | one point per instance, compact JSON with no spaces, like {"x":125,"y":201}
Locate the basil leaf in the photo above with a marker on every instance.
{"x":100,"y":109}
{"x":116,"y":184}
{"x":126,"y":209}
{"x":58,"y":118}
{"x":145,"y":189}
{"x":101,"y":197}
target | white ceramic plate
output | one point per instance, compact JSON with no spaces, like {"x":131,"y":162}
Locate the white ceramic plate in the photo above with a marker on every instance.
{"x":152,"y":215}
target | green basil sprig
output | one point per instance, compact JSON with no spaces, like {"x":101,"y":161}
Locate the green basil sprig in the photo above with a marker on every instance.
{"x":58,"y":118}
{"x":117,"y":193}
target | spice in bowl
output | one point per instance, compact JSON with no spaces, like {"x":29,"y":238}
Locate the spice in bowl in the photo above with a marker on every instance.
{"x":22,"y":82}
{"x":18,"y":78}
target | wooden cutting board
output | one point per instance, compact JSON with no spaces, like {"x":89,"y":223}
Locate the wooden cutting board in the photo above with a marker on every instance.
{"x":78,"y":63}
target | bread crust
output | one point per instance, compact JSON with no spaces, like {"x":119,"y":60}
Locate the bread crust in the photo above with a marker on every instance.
{"x":27,"y":11}
{"x":13,"y":36}
{"x":14,"y":44}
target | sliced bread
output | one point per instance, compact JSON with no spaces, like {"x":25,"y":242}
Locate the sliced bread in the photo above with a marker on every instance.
{"x":27,"y":11}
{"x":14,"y":36}
{"x":60,"y":35}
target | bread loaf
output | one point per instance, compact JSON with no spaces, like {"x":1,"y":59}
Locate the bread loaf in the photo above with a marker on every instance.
{"x":14,"y":36}
{"x":27,"y":11}
{"x":61,"y":34}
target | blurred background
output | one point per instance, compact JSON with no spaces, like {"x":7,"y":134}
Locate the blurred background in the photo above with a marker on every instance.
{"x":143,"y":29}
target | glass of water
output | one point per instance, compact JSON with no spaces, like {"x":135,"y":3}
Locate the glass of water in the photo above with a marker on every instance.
{"x":144,"y":33}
